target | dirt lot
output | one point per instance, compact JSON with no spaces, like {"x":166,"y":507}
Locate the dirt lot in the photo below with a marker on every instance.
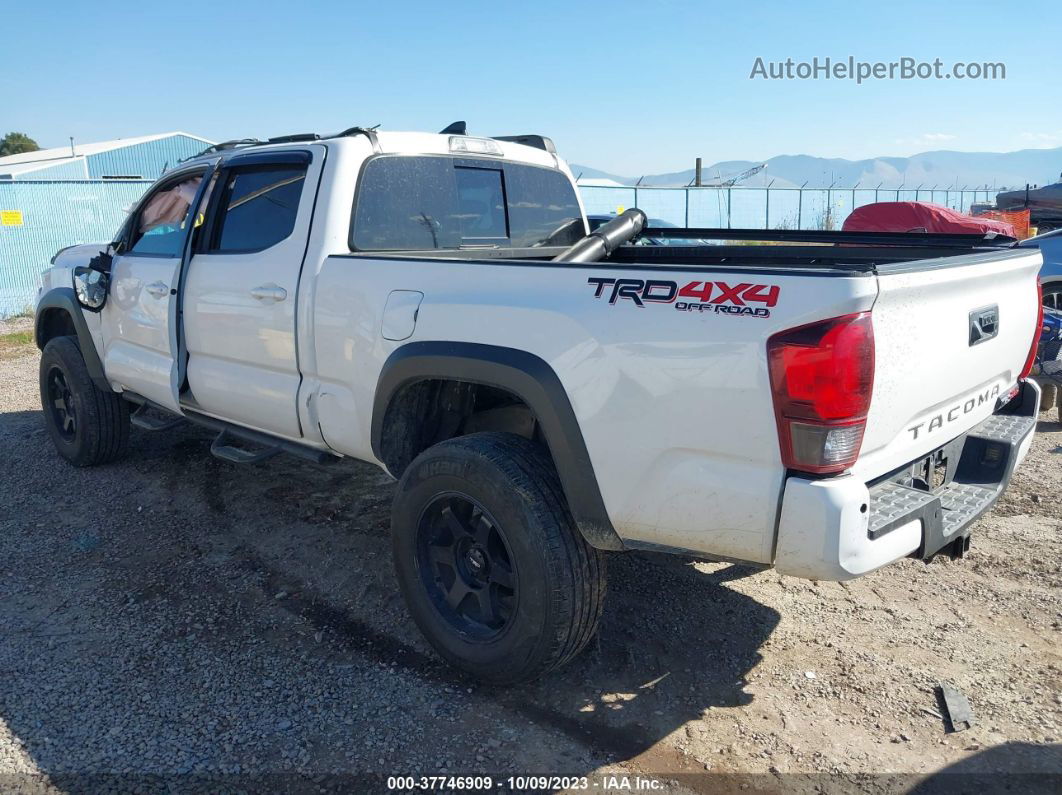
{"x":177,"y":614}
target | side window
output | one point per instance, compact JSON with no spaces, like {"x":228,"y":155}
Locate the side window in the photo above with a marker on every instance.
{"x":259,"y":205}
{"x":159,"y":226}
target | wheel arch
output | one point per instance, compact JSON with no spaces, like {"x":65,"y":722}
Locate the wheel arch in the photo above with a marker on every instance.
{"x":522,"y":375}
{"x":59,"y":315}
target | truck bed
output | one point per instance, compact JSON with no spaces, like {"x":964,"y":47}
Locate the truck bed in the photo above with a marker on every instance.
{"x":848,"y":251}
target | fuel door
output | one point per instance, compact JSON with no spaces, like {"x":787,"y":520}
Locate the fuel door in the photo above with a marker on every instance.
{"x":400,"y":314}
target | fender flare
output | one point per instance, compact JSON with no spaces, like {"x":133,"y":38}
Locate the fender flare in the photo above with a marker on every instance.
{"x":64,"y":299}
{"x":532,"y":380}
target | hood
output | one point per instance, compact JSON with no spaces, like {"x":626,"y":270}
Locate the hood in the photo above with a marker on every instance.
{"x":65,"y":260}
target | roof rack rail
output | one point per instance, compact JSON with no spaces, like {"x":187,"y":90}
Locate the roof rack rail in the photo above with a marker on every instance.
{"x":368,"y":132}
{"x":294,"y":138}
{"x":233,"y":144}
{"x":238,"y":143}
{"x":537,"y":141}
{"x":225,"y":146}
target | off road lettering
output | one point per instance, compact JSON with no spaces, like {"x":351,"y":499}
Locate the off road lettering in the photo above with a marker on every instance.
{"x":711,"y":297}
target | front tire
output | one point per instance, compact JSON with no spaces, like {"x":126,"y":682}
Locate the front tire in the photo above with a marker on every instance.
{"x":88,"y":426}
{"x":493,"y":570}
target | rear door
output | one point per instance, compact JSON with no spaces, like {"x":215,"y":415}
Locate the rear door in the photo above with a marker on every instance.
{"x":951,"y":337}
{"x":239,"y":293}
{"x":139,"y":321}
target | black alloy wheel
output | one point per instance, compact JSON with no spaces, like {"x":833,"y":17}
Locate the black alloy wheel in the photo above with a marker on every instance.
{"x":467,"y":566}
{"x":61,"y":404}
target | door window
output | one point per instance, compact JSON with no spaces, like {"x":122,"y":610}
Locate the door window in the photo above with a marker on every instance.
{"x":160,"y":224}
{"x":259,"y":205}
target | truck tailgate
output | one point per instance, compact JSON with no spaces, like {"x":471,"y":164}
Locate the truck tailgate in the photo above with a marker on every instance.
{"x":951,"y":337}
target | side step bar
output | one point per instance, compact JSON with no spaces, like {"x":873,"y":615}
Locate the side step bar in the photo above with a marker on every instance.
{"x":143,"y":419}
{"x":271,"y":445}
{"x":222,"y":446}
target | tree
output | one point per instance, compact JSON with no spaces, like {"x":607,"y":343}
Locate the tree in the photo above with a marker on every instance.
{"x":15,"y":143}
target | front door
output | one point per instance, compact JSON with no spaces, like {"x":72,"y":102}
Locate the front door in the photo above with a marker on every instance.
{"x":139,"y":321}
{"x":240,"y":290}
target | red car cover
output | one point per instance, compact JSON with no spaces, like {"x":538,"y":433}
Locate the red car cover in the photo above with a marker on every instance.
{"x":920,"y":217}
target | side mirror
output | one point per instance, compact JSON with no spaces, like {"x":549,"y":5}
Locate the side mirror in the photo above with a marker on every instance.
{"x":91,"y":287}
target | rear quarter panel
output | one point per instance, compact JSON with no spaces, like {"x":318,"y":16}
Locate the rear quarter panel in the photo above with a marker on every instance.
{"x":674,"y":406}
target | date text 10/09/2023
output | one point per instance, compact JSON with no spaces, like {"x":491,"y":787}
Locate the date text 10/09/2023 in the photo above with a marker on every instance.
{"x":448,"y":783}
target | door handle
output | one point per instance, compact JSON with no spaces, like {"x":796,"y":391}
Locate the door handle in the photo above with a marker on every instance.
{"x":269,"y":292}
{"x":158,"y":289}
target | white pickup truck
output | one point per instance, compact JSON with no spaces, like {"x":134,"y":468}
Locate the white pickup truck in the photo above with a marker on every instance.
{"x":432,"y":303}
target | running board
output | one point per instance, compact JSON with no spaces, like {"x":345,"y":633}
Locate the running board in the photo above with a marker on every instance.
{"x":148,"y":422}
{"x":227,"y":432}
{"x":271,"y":445}
{"x":221,"y":448}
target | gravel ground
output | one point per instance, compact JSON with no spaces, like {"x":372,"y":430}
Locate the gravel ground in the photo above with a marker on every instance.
{"x":175,"y":614}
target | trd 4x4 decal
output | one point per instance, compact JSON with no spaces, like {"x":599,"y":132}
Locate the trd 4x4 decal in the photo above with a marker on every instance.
{"x":715,"y":297}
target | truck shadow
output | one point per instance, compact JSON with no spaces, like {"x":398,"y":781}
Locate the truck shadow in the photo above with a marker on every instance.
{"x":1028,"y":768}
{"x":674,"y":643}
{"x":224,"y":541}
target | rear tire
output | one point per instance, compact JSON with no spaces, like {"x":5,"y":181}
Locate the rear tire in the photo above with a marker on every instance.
{"x":88,"y":426}
{"x":1052,"y":295}
{"x":492,"y":567}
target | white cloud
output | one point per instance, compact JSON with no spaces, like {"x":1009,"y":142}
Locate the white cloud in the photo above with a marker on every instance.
{"x":926,"y":139}
{"x":1040,"y":140}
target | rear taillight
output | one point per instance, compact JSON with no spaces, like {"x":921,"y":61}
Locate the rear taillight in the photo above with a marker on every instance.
{"x":822,"y":375}
{"x":1036,"y":332}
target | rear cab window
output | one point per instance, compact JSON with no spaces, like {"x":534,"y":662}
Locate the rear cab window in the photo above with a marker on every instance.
{"x":435,"y":202}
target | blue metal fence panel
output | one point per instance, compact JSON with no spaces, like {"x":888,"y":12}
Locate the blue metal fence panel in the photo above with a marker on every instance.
{"x":55,"y":214}
{"x":146,"y":160}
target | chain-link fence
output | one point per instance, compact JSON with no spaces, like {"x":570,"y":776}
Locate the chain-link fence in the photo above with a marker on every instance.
{"x":764,"y":208}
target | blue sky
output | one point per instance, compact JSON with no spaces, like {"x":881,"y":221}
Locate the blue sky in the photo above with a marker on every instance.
{"x":627,"y":87}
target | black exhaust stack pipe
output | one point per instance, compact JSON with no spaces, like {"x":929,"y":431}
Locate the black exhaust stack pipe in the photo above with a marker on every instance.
{"x":606,"y":238}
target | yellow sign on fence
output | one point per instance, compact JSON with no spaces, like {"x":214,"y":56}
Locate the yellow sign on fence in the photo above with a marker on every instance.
{"x":10,"y":217}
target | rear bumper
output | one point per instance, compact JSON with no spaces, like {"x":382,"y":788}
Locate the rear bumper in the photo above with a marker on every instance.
{"x":841,"y":528}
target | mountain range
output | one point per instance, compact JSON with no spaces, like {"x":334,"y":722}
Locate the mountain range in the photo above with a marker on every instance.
{"x":942,"y":169}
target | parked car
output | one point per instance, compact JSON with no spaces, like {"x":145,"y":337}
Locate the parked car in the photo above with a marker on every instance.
{"x":544,"y":396}
{"x":1050,"y":245}
{"x":1047,"y":371}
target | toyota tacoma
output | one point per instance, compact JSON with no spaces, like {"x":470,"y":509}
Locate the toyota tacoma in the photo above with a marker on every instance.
{"x":435,"y":304}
